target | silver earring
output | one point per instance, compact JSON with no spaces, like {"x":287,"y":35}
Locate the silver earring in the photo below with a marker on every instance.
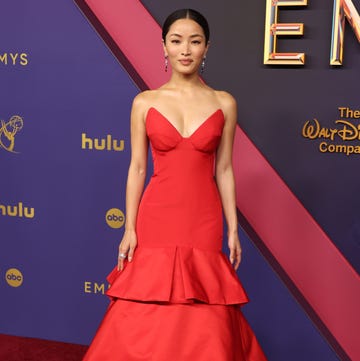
{"x":166,"y":63}
{"x":203,"y":65}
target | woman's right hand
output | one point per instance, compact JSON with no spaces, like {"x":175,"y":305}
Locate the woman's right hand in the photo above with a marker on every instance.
{"x":127,"y":247}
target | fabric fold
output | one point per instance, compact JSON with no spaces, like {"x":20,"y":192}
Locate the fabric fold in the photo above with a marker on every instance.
{"x":177,"y":275}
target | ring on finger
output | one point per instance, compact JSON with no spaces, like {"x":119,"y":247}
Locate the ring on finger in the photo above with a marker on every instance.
{"x":122,"y":255}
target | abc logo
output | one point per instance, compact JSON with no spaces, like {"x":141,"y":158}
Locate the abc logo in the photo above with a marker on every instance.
{"x":14,"y":277}
{"x":115,"y":218}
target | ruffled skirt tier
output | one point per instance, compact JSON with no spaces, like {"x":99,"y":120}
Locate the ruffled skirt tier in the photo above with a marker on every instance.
{"x":141,"y":331}
{"x":175,"y":304}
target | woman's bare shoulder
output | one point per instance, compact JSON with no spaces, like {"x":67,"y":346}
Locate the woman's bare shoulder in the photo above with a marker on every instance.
{"x":143,"y":98}
{"x":225,"y":98}
{"x":146,"y":99}
{"x":227,"y":103}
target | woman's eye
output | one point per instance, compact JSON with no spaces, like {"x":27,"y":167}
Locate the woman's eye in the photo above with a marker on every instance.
{"x":196,"y":42}
{"x":175,"y":41}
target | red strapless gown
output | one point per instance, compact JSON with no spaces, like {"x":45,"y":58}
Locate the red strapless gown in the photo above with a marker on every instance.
{"x":179,"y":300}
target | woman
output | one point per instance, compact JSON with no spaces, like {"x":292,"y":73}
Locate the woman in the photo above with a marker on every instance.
{"x":175,"y":295}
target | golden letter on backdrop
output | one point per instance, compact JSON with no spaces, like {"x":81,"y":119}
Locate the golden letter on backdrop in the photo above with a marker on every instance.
{"x":342,"y":9}
{"x":273,"y":29}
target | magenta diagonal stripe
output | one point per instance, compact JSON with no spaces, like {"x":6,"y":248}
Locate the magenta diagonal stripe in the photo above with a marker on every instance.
{"x":325,"y":279}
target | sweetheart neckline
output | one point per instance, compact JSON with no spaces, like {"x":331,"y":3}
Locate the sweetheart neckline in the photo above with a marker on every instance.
{"x":196,"y":130}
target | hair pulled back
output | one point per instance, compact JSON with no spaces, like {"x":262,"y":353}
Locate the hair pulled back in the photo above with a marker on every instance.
{"x":186,"y":14}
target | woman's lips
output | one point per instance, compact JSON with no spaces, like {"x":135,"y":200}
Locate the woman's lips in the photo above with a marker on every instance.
{"x":185,"y":61}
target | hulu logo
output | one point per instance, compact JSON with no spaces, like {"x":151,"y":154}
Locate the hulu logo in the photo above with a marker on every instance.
{"x":102,"y":144}
{"x":17,"y":211}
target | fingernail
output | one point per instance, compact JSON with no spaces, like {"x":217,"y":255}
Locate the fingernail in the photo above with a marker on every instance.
{"x":130,"y":259}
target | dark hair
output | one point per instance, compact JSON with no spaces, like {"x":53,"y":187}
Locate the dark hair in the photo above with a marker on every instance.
{"x":186,"y":14}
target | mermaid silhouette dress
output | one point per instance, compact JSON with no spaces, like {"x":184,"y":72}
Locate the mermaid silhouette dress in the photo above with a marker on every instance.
{"x":179,"y":299}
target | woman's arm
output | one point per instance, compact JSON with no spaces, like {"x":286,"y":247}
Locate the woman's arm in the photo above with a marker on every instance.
{"x":136,"y":177}
{"x":225,"y":176}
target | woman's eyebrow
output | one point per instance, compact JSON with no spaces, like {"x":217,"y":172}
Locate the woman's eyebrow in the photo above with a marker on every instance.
{"x":191,"y":36}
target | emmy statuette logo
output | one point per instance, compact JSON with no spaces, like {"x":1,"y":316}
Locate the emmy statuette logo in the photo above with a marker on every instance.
{"x":8,"y":131}
{"x":14,"y":277}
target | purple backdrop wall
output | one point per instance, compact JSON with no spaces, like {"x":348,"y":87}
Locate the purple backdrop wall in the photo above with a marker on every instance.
{"x":60,"y":200}
{"x":71,"y":93}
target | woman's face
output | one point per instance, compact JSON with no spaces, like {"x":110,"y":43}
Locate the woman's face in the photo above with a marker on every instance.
{"x":185,"y":46}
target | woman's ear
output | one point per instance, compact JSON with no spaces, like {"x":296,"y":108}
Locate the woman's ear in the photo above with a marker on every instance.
{"x":164,"y":47}
{"x":207,"y":48}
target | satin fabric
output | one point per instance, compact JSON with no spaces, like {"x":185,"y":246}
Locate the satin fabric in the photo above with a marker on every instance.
{"x":138,"y":331}
{"x":179,"y":299}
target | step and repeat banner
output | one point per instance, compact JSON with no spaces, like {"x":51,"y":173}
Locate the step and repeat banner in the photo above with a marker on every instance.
{"x":69,"y":71}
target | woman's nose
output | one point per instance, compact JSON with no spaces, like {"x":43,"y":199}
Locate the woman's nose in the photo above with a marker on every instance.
{"x":186,"y":49}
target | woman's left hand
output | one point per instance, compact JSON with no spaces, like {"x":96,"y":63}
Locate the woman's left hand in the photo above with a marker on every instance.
{"x":235,"y":250}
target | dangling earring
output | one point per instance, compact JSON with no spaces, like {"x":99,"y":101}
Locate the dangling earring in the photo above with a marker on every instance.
{"x":166,"y":63}
{"x":203,"y":65}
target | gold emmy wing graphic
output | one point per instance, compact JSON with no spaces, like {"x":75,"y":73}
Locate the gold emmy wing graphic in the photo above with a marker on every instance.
{"x":8,"y":132}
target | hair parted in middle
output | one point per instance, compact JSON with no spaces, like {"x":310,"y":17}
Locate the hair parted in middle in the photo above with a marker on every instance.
{"x":186,"y":14}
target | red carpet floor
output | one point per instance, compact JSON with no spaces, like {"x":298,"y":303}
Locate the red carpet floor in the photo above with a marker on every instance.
{"x":13,"y":348}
